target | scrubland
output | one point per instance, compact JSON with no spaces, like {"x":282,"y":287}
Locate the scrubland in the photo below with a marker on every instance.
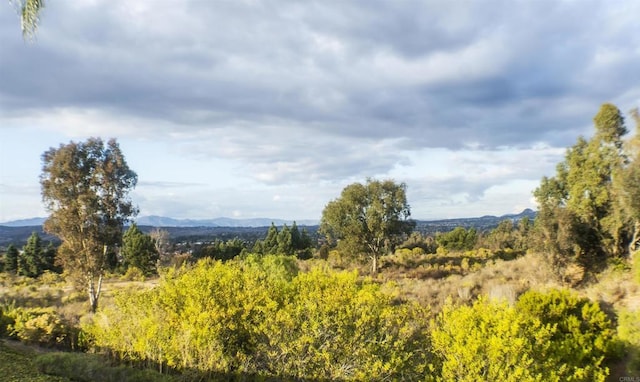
{"x":451,"y":315}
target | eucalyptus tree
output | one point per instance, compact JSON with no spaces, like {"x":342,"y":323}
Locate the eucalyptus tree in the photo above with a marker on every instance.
{"x":85,"y":187}
{"x":29,"y":16}
{"x":580,"y":215}
{"x":369,"y":219}
{"x":629,"y":185}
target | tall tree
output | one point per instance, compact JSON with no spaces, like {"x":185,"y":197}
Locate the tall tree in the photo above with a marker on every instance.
{"x":85,"y":187}
{"x":580,"y":217}
{"x":369,"y":219}
{"x":138,"y":250}
{"x":31,"y":261}
{"x":11,"y":259}
{"x":458,"y":239}
{"x":285,"y":241}
{"x":629,"y":185}
{"x":270,"y":243}
{"x":163,"y":245}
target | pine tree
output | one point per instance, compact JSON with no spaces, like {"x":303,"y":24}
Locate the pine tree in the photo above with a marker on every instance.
{"x":11,"y":259}
{"x":285,"y":241}
{"x":270,"y":243}
{"x":296,"y":239}
{"x":139,"y":250}
{"x":30,"y":262}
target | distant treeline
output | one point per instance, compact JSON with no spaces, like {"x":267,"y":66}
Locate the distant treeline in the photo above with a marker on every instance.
{"x":19,"y":235}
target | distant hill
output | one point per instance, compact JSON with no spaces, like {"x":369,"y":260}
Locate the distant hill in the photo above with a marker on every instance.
{"x":18,"y":231}
{"x":25,"y":222}
{"x":482,"y":223}
{"x":161,"y":221}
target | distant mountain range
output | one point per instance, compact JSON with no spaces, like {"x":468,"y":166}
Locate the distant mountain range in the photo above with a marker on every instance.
{"x":482,"y":223}
{"x":25,"y":222}
{"x":192,"y":230}
{"x":162,"y":221}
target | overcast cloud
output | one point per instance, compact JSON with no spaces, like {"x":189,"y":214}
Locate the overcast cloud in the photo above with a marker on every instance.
{"x":269,"y":108}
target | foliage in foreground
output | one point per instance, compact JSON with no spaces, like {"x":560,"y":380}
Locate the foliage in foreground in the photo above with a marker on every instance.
{"x":629,"y":332}
{"x":258,"y":316}
{"x":38,"y":326}
{"x":18,"y":367}
{"x":551,"y":336}
{"x":83,"y":367}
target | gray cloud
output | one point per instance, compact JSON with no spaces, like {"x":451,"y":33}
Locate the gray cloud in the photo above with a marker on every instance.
{"x":314,"y":91}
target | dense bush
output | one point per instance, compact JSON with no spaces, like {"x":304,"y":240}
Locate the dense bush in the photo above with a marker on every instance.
{"x":552,"y":336}
{"x":258,"y":316}
{"x":488,"y":342}
{"x":629,"y":333}
{"x":583,"y":335}
{"x":332,"y":326}
{"x":635,"y":266}
{"x":459,"y":239}
{"x":42,"y":326}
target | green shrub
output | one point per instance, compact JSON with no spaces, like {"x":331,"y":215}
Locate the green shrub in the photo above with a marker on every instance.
{"x":334,"y":326}
{"x":583,"y":336}
{"x":459,"y":239}
{"x":552,"y":336}
{"x":488,"y":342}
{"x":261,"y":316}
{"x":133,"y":274}
{"x":42,"y":326}
{"x":5,"y":320}
{"x":51,"y":278}
{"x":629,"y":334}
{"x":636,"y":266}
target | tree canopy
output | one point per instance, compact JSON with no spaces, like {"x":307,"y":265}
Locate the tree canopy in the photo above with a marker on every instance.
{"x":139,"y":250}
{"x":85,"y":188}
{"x":585,"y":211}
{"x":370,"y":218}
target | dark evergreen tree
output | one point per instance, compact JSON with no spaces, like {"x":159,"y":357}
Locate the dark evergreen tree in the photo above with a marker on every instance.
{"x":139,"y":250}
{"x":459,"y":239}
{"x":303,"y":250}
{"x":49,"y":259}
{"x":296,"y":238}
{"x":11,"y":259}
{"x":30,"y":262}
{"x":285,"y":242}
{"x":270,"y":243}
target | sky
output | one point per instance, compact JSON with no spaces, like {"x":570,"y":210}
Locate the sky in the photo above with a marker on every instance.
{"x":252,"y":108}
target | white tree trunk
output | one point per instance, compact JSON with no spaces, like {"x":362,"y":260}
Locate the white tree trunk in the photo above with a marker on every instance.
{"x":94,"y":292}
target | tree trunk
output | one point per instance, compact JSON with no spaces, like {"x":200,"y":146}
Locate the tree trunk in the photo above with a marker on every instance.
{"x":94,"y":293}
{"x":633,"y":246}
{"x":374,"y":264}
